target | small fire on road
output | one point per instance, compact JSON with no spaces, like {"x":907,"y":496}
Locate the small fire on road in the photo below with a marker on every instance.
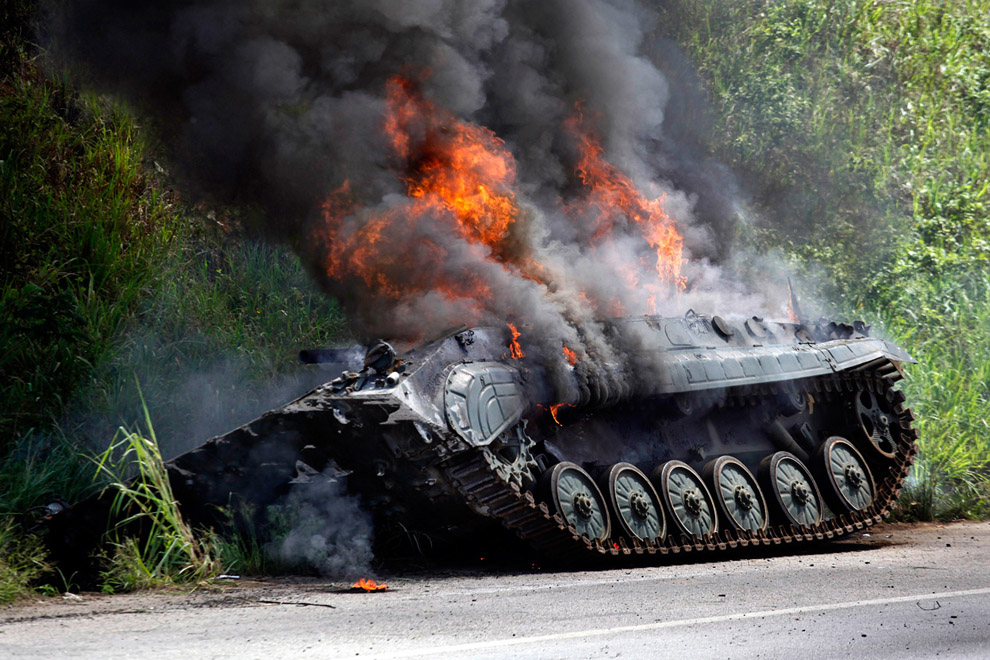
{"x":365,"y":584}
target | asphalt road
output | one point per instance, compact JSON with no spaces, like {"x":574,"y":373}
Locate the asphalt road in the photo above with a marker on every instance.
{"x":904,"y":592}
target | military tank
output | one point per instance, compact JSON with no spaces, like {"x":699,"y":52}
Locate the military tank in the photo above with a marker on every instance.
{"x":748,"y":432}
{"x":732,"y":433}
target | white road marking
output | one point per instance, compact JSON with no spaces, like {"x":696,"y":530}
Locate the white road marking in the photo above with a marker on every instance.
{"x":659,"y":625}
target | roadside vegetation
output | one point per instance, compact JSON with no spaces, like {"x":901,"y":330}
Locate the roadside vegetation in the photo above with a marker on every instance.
{"x":109,"y":279}
{"x":168,"y":551}
{"x":861,"y":129}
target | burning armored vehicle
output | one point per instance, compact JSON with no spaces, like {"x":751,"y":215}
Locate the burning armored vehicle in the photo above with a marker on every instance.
{"x":584,"y":201}
{"x":647,"y":436}
{"x":745,"y":432}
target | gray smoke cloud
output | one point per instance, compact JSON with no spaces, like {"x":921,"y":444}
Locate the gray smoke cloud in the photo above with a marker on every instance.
{"x":286,"y":104}
{"x":323,"y":528}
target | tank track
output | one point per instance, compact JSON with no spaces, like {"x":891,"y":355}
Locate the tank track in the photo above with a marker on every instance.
{"x":547,"y":531}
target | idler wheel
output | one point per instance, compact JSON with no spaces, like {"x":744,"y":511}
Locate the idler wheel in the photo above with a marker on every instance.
{"x":844,"y":476}
{"x":575,"y":496}
{"x":687,"y":499}
{"x":790,"y":489}
{"x":736,"y":494}
{"x":876,"y":426}
{"x":635,"y":503}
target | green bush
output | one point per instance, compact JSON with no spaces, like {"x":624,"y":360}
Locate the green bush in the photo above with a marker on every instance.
{"x":946,"y":323}
{"x":22,"y":561}
{"x":82,"y":230}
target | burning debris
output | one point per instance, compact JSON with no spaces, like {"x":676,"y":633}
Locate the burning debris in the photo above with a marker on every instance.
{"x":367,"y":585}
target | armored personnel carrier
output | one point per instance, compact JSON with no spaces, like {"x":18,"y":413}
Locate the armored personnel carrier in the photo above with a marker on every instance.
{"x":724,"y":434}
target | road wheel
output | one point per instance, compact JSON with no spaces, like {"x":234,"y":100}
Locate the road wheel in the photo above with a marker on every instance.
{"x":790,"y":489}
{"x":684,"y":494}
{"x":736,"y":494}
{"x":635,"y":503}
{"x":576,"y":497}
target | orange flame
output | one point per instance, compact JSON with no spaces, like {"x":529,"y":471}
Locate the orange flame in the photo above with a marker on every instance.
{"x":459,"y":180}
{"x":455,"y":174}
{"x":572,"y":358}
{"x":613,"y":199}
{"x":462,"y":168}
{"x":555,"y":408}
{"x":515,"y":350}
{"x":369,"y":585}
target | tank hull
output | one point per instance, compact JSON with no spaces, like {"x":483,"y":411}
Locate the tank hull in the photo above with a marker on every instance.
{"x":465,"y":434}
{"x":719,"y":435}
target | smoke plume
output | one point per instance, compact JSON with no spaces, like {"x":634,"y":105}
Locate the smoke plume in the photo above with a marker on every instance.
{"x":323,"y":528}
{"x":439,"y":162}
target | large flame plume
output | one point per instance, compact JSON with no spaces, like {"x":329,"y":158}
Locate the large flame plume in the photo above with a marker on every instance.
{"x":458,"y":177}
{"x":459,"y":185}
{"x":613,"y":200}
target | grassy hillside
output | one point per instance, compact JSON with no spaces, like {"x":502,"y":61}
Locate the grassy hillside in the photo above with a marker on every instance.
{"x":108,"y":279}
{"x":862,"y":131}
{"x":108,"y":276}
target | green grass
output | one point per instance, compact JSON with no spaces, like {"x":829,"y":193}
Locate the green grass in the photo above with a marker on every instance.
{"x":40,"y":469}
{"x":949,"y":393}
{"x":21,"y":562}
{"x":164,"y":550}
{"x":105,"y":277}
{"x":241,"y":545}
{"x":214,"y":344}
{"x":82,"y":227}
{"x":862,"y":130}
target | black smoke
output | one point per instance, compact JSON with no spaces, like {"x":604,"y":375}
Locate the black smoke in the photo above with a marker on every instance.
{"x":280,"y":103}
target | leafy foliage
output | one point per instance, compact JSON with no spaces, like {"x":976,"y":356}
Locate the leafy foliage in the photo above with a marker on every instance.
{"x":81,"y":229}
{"x":106,"y":273}
{"x":949,"y":393}
{"x":861,"y":129}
